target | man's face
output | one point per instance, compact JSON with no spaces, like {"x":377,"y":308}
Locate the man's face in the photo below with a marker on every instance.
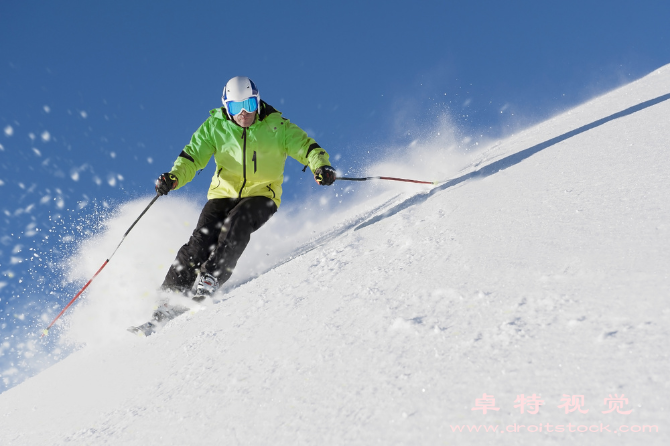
{"x":245,"y":119}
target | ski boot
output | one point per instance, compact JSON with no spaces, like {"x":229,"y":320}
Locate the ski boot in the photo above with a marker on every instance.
{"x":206,"y":286}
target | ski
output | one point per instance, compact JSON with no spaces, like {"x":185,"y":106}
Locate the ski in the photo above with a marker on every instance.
{"x":162,"y":315}
{"x":146,"y":329}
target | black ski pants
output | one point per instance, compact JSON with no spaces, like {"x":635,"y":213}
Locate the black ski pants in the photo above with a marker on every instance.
{"x":223,"y":232}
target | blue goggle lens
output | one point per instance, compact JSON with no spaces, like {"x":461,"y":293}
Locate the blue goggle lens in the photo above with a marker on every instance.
{"x":236,"y":107}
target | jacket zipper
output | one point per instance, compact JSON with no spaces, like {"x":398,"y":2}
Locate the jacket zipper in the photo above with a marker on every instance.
{"x":254,"y":160}
{"x":244,"y":161}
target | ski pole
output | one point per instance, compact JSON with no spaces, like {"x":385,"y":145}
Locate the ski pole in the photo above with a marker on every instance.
{"x":46,"y":330}
{"x":389,"y":178}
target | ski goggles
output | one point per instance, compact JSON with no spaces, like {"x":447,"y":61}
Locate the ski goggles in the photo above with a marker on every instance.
{"x":250,"y":105}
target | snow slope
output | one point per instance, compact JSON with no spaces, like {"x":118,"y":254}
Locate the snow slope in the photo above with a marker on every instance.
{"x":541,"y":270}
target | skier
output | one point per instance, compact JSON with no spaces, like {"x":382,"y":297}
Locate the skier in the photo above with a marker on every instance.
{"x":249,"y":141}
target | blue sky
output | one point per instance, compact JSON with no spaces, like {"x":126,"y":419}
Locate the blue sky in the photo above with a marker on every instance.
{"x":98,"y":98}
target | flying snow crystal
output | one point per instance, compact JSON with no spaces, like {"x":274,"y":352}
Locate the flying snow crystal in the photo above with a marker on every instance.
{"x":47,"y":108}
{"x":83,"y":114}
{"x":31,"y":135}
{"x":30,"y":230}
{"x":97,"y":180}
{"x":74,"y":175}
{"x":9,"y":131}
{"x":2,"y":183}
{"x":111,"y":180}
{"x":1,"y":148}
{"x":112,"y":154}
{"x":37,"y":152}
{"x":46,"y":136}
{"x":149,"y":160}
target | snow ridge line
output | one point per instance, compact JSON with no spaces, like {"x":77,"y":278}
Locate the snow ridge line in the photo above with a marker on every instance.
{"x":513,"y":159}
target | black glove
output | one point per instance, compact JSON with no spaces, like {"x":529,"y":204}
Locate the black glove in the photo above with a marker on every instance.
{"x":165,"y":183}
{"x":325,"y":175}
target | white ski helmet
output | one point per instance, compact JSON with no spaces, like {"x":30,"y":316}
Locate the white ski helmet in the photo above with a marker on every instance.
{"x":237,"y":89}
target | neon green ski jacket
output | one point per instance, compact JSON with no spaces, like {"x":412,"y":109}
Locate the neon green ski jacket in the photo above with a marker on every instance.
{"x":249,"y":162}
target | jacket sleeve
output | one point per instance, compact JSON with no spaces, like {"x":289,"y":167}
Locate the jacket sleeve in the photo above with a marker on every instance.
{"x":195,"y":155}
{"x":303,"y":148}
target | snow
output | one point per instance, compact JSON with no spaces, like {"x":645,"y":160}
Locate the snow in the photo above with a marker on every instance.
{"x":540,"y":269}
